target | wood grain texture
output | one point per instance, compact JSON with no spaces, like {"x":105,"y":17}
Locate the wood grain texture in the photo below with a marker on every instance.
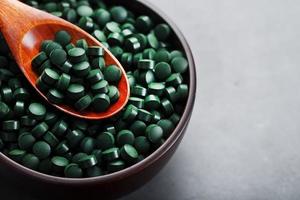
{"x":24,"y":28}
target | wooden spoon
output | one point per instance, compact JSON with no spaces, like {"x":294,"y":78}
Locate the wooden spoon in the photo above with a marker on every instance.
{"x":24,"y":28}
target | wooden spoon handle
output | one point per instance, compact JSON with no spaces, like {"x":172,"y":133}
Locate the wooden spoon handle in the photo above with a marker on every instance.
{"x":17,"y":18}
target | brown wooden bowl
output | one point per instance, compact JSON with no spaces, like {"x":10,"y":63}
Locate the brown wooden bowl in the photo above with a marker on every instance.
{"x":120,"y":183}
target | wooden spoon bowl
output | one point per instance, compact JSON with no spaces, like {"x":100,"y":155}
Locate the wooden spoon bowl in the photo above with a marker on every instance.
{"x":24,"y":29}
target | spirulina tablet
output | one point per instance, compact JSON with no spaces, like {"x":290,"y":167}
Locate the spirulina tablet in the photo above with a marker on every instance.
{"x":119,"y":14}
{"x":77,"y":55}
{"x":62,"y":148}
{"x":87,"y":145}
{"x":58,"y":57}
{"x":102,"y":16}
{"x":100,"y":87}
{"x":17,"y":154}
{"x":63,"y":82}
{"x":112,"y":73}
{"x":4,"y":110}
{"x":167,"y":126}
{"x":37,"y":111}
{"x":75,"y":91}
{"x":113,"y":93}
{"x":63,"y":38}
{"x":49,"y":76}
{"x":74,"y":137}
{"x":10,"y":125}
{"x":83,"y":103}
{"x":30,"y":161}
{"x":51,"y":139}
{"x":101,"y":102}
{"x":115,"y":166}
{"x":154,"y":133}
{"x":59,"y":128}
{"x":142,"y":144}
{"x":94,"y":171}
{"x":162,"y":31}
{"x":39,"y":59}
{"x":55,"y":96}
{"x":88,"y":161}
{"x":84,"y":11}
{"x":73,"y":171}
{"x":179,"y":64}
{"x":59,"y":163}
{"x":41,"y":149}
{"x":138,"y":127}
{"x":26,"y":141}
{"x":111,"y":154}
{"x":40,"y":129}
{"x":105,"y":140}
{"x":162,"y":70}
{"x":125,"y":137}
{"x":129,"y":153}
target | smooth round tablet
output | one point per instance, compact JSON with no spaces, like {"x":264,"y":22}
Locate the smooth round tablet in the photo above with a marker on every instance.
{"x":130,"y":113}
{"x":58,"y":57}
{"x":167,"y":126}
{"x":40,"y":129}
{"x":138,"y":127}
{"x":73,"y":171}
{"x":75,"y":91}
{"x":116,"y":165}
{"x":180,"y":64}
{"x":37,"y":111}
{"x":162,"y":70}
{"x":88,"y":161}
{"x":101,"y":102}
{"x":55,"y":96}
{"x":142,"y":144}
{"x":162,"y":31}
{"x":26,"y":141}
{"x":84,"y":11}
{"x":87,"y":145}
{"x":113,"y":94}
{"x":102,"y":16}
{"x":59,"y":162}
{"x":41,"y":149}
{"x":83,"y":103}
{"x":154,"y":133}
{"x":63,"y":38}
{"x":119,"y":14}
{"x":112,"y":73}
{"x":81,"y":69}
{"x":105,"y":140}
{"x":143,"y":23}
{"x":152,"y":102}
{"x":30,"y":161}
{"x":162,"y":56}
{"x":111,"y":154}
{"x":125,"y":137}
{"x":129,"y":153}
{"x":63,"y":81}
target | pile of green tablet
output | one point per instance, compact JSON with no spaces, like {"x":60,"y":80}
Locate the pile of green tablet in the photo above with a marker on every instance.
{"x":76,"y":74}
{"x":51,"y":142}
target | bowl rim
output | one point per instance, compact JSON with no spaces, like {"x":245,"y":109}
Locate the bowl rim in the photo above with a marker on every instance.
{"x":156,"y":155}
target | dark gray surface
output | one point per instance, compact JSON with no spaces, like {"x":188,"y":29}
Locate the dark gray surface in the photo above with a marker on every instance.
{"x":243,"y":141}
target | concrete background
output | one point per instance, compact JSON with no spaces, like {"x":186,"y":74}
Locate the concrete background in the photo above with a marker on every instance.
{"x":243,"y":141}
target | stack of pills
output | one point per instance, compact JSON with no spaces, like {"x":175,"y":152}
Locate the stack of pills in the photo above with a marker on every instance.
{"x":76,"y":74}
